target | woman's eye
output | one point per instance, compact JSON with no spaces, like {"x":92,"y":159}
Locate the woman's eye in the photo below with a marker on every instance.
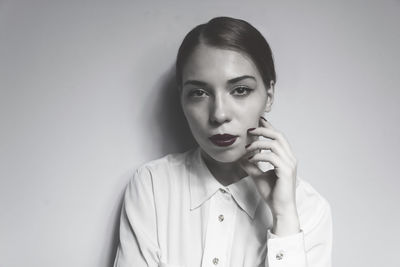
{"x":198,"y":93}
{"x":241,"y":91}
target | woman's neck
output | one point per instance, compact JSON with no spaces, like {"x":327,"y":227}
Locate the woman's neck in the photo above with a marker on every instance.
{"x":225,"y":173}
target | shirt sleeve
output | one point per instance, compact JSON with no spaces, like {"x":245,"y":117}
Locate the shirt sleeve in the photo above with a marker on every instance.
{"x":138,"y":244}
{"x":311,"y":248}
{"x":288,"y":251}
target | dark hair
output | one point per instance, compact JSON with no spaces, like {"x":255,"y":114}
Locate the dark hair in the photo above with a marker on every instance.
{"x":229,"y":33}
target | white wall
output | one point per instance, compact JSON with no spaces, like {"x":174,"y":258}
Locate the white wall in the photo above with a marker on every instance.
{"x":86,"y":96}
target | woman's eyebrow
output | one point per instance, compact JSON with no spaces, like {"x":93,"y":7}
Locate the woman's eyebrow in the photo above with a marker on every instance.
{"x":237,"y":79}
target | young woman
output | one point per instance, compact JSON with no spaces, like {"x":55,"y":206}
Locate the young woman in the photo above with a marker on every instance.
{"x":215,"y":205}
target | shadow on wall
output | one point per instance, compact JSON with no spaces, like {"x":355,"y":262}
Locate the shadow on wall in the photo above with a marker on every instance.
{"x":166,"y":114}
{"x":169,"y":117}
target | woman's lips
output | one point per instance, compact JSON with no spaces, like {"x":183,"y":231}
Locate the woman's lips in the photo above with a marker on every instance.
{"x":223,"y":139}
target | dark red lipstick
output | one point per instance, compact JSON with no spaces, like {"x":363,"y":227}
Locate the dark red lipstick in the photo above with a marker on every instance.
{"x":223,"y":139}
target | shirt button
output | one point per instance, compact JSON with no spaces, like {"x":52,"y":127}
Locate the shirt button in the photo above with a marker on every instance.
{"x":279,"y":255}
{"x":222,"y":190}
{"x":221,"y":218}
{"x":215,"y":261}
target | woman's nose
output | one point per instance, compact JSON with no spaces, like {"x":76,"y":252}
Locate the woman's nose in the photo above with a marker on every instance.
{"x":219,"y":111}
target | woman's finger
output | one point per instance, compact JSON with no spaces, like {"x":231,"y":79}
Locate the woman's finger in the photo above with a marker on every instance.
{"x":274,"y":135}
{"x":278,"y":135}
{"x":267,"y":131}
{"x":282,"y":168}
{"x":266,"y":157}
{"x":268,"y":144}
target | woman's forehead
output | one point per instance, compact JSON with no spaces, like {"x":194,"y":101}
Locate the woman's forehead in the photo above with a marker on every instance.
{"x":208,"y":61}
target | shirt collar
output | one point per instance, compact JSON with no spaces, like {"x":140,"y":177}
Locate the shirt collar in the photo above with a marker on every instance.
{"x":203,"y":186}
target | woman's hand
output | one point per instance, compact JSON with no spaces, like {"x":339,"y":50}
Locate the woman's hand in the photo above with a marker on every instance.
{"x":276,"y":186}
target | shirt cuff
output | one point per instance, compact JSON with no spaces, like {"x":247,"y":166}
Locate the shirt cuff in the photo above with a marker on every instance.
{"x":287,"y":251}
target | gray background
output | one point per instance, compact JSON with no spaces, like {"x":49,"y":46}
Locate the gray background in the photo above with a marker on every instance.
{"x":86,"y":96}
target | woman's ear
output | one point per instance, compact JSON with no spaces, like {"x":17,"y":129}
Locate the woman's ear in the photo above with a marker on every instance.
{"x":270,"y":96}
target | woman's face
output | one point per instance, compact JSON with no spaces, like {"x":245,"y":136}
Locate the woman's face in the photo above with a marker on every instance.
{"x":222,"y":94}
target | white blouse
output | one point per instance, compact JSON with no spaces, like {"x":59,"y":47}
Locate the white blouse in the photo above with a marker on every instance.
{"x":176,"y":214}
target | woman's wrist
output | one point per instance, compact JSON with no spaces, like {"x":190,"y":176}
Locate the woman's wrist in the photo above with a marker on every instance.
{"x":286,"y":224}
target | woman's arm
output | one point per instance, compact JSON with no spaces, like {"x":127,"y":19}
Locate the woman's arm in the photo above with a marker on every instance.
{"x":276,"y":186}
{"x":288,"y":244}
{"x":311,"y":247}
{"x":138,"y":238}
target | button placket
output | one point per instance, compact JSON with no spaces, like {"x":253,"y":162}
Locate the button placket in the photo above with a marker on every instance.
{"x":222,"y":215}
{"x":225,"y":194}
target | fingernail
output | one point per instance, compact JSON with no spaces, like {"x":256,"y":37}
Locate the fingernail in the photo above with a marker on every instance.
{"x":264,"y":118}
{"x":251,"y":129}
{"x":247,"y":145}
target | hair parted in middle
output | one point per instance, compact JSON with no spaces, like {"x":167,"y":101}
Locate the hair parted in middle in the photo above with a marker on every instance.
{"x":233,"y":34}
